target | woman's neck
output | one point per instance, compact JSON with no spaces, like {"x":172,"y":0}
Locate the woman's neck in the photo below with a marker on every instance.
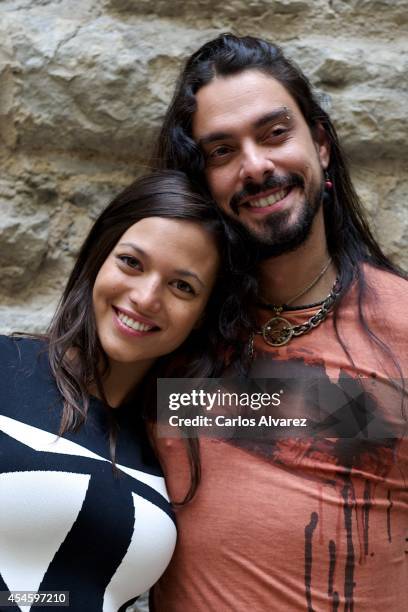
{"x":121,"y":379}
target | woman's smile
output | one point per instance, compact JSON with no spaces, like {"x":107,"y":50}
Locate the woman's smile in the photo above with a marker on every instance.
{"x":153,"y":288}
{"x":132,"y":323}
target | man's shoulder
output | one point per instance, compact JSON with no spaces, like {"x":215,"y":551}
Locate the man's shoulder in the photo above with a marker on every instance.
{"x":385,"y":307}
{"x":385,"y":284}
{"x":382,"y":297}
{"x":386,"y":291}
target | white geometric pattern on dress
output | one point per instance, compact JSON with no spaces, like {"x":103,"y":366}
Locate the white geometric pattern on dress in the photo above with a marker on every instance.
{"x":45,"y":441}
{"x":38,"y":510}
{"x":136,"y":573}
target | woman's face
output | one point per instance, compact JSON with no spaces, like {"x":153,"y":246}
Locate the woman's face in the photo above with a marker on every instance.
{"x":153,"y":288}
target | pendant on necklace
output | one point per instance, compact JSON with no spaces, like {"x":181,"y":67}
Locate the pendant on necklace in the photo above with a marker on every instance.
{"x":277,"y":331}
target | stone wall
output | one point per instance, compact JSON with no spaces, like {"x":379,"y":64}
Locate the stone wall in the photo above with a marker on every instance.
{"x":84,"y":84}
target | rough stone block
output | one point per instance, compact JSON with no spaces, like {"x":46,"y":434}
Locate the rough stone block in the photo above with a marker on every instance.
{"x":387,"y":7}
{"x":366,"y":84}
{"x":88,"y":86}
{"x":206,"y":8}
{"x":23,"y":244}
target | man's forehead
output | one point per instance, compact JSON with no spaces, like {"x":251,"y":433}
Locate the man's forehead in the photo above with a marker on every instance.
{"x":245,"y":82}
{"x":251,"y":96}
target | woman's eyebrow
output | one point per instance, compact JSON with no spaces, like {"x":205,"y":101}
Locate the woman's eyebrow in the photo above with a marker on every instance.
{"x":190,"y":274}
{"x":134,"y":246}
{"x":180,"y":271}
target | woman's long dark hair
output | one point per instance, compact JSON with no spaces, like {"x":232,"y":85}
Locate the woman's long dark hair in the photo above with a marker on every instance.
{"x":349,"y":238}
{"x":167,"y":194}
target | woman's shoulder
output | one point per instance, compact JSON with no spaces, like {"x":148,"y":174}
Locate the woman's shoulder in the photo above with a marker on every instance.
{"x":9,"y":346}
{"x":17,"y":348}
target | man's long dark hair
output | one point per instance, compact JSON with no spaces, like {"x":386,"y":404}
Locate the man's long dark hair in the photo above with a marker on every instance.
{"x":349,"y":238}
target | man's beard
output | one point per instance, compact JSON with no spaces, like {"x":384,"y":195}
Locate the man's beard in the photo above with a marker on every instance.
{"x":277,"y":235}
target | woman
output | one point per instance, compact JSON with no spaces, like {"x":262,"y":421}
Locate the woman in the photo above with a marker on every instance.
{"x":83,"y":502}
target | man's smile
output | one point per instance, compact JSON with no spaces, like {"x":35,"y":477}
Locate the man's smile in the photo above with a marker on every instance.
{"x":266,"y":198}
{"x":271,"y":192}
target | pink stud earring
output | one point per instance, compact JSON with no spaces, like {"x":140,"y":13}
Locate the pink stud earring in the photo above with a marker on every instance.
{"x":327,"y":181}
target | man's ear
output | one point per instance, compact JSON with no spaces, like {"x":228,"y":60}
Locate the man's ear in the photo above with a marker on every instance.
{"x":322,"y":145}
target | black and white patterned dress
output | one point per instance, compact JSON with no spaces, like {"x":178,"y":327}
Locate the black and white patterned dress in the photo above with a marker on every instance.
{"x":68,"y":522}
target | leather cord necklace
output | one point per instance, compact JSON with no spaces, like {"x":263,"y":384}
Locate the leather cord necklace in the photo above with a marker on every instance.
{"x":278,"y":331}
{"x":314,"y":282}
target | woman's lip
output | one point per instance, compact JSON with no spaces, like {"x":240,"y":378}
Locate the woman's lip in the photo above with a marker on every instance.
{"x":136,"y":317}
{"x":129,"y":331}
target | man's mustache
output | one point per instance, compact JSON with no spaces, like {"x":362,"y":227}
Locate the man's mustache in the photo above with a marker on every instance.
{"x":272,"y":182}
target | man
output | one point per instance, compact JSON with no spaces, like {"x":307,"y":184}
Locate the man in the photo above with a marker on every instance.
{"x":306,"y":523}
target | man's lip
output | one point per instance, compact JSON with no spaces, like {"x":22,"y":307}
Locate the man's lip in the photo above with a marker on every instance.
{"x":136,"y":317}
{"x":265,"y":194}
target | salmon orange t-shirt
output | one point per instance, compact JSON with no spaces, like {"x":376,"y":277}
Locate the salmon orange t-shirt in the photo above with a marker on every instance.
{"x":303,"y":523}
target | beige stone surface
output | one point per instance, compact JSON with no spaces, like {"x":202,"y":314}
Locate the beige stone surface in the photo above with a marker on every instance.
{"x":83,"y":87}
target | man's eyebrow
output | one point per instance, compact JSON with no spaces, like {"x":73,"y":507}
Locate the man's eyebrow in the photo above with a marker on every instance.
{"x":214,"y":137}
{"x":279,"y":114}
{"x":275,"y":115}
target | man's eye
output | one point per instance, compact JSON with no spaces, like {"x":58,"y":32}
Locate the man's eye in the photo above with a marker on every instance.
{"x":130,"y":261}
{"x":276,"y":132}
{"x":183,"y":286}
{"x":218,"y":153}
{"x":221,"y":151}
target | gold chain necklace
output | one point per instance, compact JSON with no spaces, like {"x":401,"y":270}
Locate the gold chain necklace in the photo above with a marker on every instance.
{"x":314,"y":282}
{"x":279,"y":331}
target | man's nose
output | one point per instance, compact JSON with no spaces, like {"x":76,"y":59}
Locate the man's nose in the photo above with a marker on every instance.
{"x":146,"y":295}
{"x":256,"y":163}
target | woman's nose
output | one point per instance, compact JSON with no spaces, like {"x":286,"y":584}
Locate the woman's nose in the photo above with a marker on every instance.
{"x":146,"y":295}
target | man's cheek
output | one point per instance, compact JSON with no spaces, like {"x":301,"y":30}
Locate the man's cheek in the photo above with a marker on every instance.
{"x":218,"y":186}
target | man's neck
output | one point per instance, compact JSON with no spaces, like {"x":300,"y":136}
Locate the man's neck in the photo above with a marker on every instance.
{"x":282,"y":278}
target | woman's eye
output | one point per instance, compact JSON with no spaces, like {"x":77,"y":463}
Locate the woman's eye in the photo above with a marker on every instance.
{"x":183,"y":286}
{"x":130,"y":261}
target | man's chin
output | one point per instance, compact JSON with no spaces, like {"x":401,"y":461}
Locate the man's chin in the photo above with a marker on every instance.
{"x":279,"y":233}
{"x":286,"y":244}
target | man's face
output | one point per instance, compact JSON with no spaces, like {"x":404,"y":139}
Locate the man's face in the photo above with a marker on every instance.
{"x":262,"y":165}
